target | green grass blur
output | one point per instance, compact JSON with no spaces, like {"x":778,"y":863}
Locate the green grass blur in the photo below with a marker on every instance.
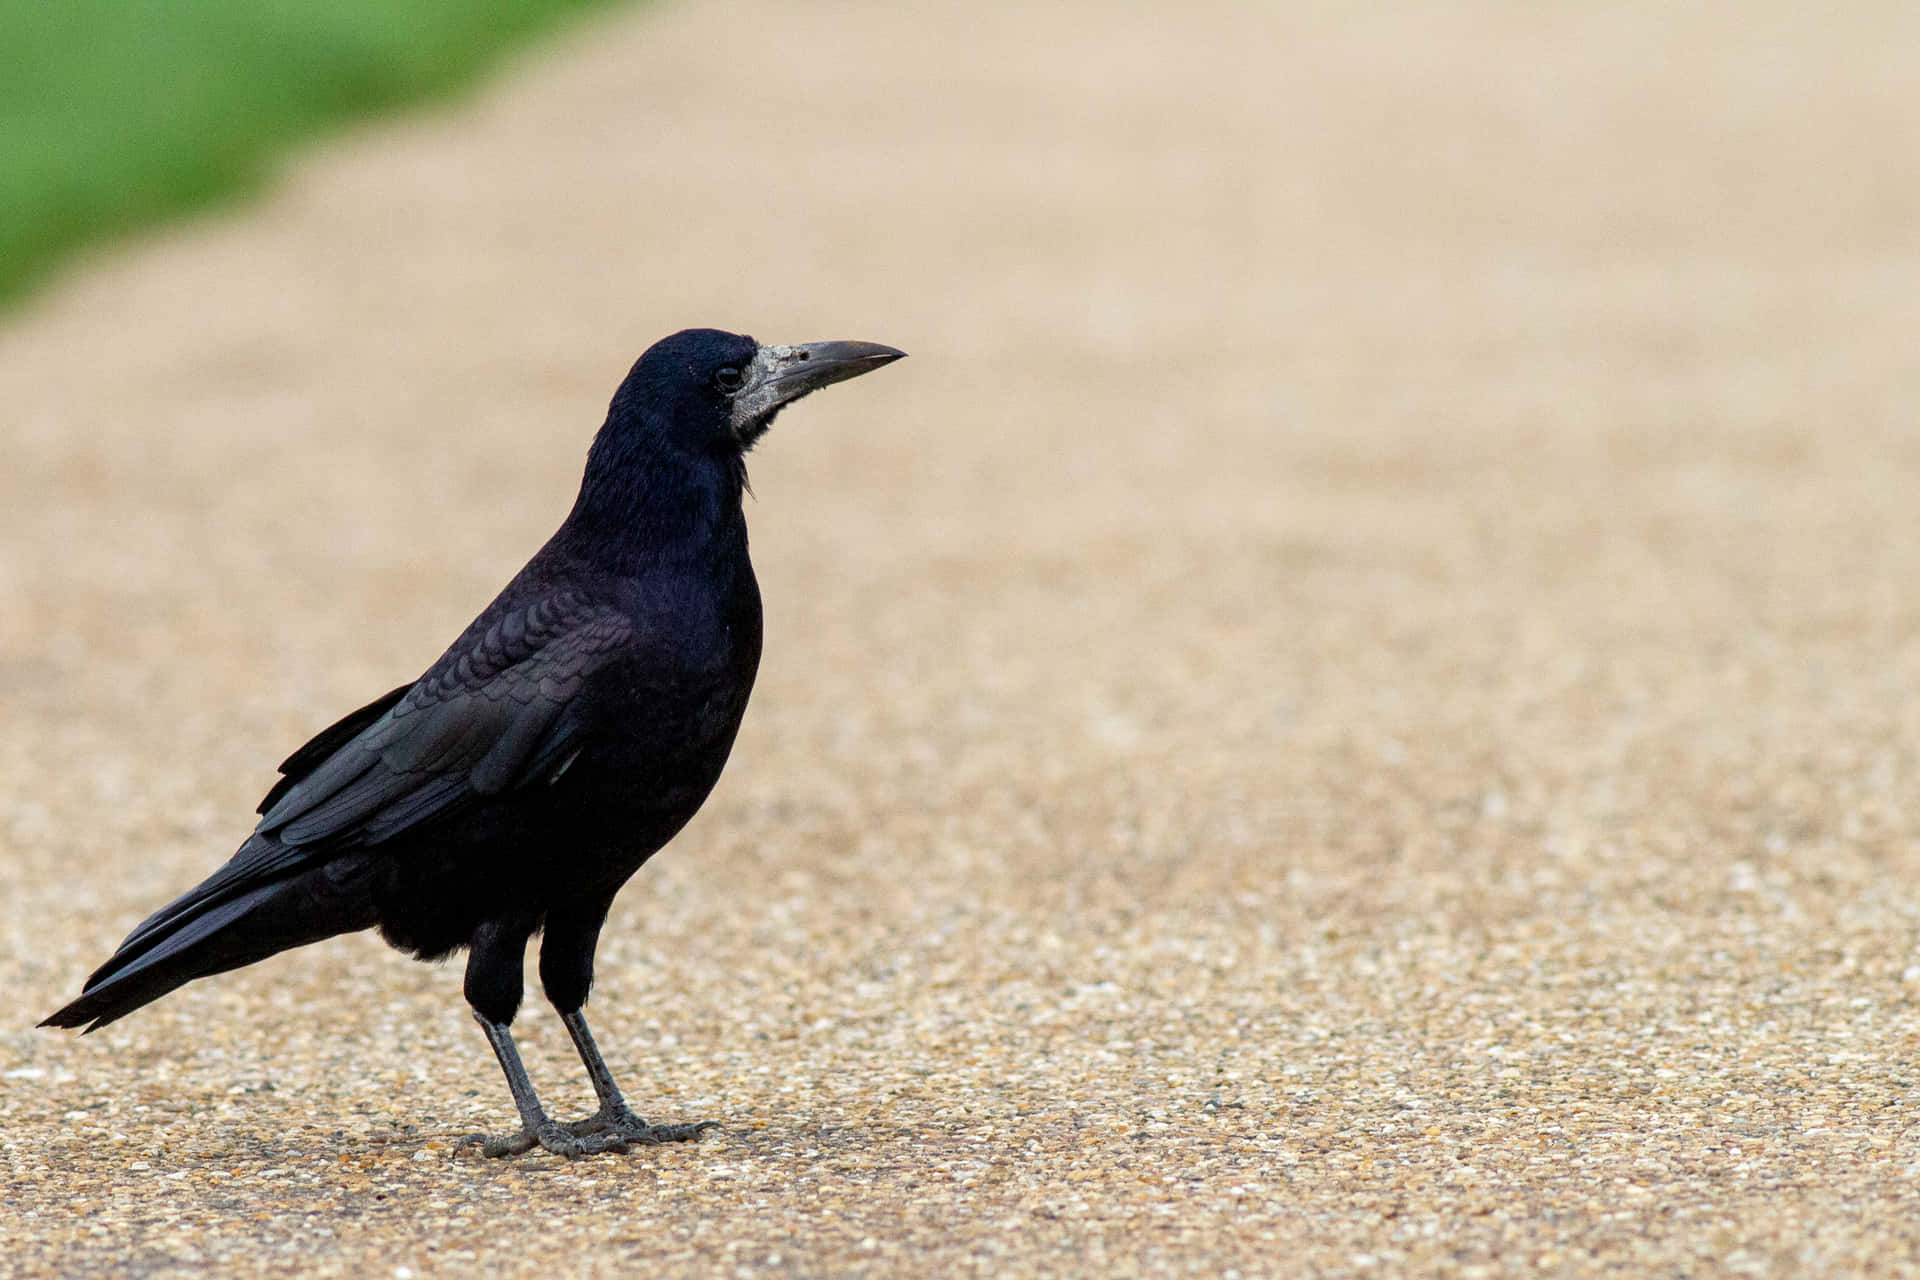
{"x":115,"y":114}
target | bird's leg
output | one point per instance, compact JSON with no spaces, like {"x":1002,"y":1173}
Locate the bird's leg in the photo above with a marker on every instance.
{"x":537,"y":1129}
{"x":615,"y":1116}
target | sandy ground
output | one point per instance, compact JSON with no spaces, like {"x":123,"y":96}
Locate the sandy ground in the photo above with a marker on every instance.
{"x":1352,"y":708}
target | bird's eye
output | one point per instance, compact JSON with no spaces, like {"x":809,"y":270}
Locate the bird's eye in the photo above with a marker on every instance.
{"x":727,"y":379}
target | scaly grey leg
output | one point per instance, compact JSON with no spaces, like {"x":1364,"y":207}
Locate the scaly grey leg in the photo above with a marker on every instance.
{"x":537,"y":1129}
{"x":614,"y":1116}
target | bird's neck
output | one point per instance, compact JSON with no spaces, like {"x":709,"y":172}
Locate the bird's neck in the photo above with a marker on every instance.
{"x":643,"y":505}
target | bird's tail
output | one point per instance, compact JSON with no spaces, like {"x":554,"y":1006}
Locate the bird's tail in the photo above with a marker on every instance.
{"x":222,"y":925}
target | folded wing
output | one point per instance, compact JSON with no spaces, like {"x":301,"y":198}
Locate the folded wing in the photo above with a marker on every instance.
{"x":500,"y":710}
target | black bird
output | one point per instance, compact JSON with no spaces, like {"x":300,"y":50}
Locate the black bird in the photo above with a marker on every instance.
{"x":569,"y":733}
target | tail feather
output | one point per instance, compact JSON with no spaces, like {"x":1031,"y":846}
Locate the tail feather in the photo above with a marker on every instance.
{"x":204,"y":934}
{"x":262,"y":860}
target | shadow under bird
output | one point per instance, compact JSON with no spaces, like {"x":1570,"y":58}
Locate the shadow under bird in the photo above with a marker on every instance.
{"x":565,"y":737}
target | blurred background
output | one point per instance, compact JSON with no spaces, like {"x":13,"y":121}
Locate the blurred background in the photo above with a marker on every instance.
{"x":1353,"y":702}
{"x":115,"y":116}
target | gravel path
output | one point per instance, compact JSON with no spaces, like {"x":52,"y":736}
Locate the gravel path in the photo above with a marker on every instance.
{"x":1352,"y":707}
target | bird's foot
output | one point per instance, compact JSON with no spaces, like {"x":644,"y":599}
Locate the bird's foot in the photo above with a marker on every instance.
{"x":620,"y":1121}
{"x":551,"y":1135}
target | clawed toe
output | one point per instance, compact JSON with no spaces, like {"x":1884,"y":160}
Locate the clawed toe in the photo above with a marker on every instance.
{"x":680,"y":1132}
{"x":496,"y":1146}
{"x":633,"y":1129}
{"x":507,"y":1144}
{"x":571,"y":1145}
{"x":559,"y":1139}
{"x":591,"y":1136}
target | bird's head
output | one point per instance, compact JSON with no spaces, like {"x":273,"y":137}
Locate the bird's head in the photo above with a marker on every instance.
{"x":669,"y":465}
{"x":708,"y":391}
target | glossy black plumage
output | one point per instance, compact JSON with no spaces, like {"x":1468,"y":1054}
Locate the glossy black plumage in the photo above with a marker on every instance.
{"x":569,"y":733}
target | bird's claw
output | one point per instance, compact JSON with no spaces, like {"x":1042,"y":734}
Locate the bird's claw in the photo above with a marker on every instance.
{"x":632,"y":1129}
{"x":552,"y":1136}
{"x":620,"y":1131}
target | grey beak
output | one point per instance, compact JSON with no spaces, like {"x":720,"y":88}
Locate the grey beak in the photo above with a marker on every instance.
{"x":792,"y":372}
{"x":781,"y":375}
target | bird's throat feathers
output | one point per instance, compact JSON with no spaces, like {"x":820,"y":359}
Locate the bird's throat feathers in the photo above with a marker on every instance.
{"x":644,"y":500}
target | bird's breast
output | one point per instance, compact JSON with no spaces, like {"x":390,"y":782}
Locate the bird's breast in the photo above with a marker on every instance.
{"x":663,"y":720}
